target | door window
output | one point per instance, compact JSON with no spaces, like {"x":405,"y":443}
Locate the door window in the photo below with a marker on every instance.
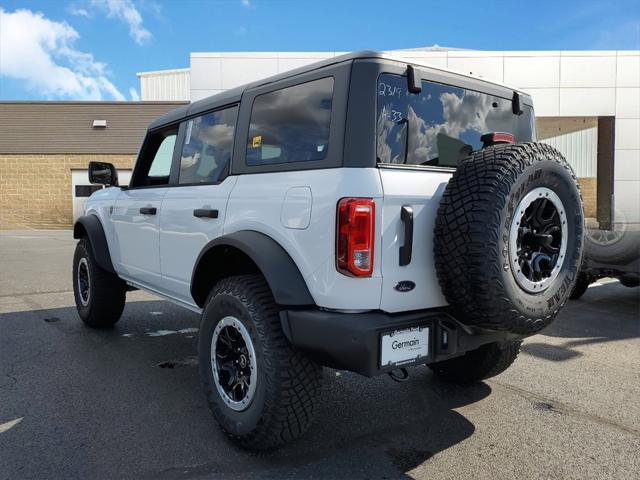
{"x":153,"y":167}
{"x":208,"y":143}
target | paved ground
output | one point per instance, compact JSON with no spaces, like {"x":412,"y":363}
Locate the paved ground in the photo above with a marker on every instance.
{"x":81,"y":403}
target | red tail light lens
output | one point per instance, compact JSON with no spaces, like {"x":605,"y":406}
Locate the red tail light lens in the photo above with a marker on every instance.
{"x":355,"y":236}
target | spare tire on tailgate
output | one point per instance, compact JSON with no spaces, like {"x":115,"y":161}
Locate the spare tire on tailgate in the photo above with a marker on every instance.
{"x":509,"y":237}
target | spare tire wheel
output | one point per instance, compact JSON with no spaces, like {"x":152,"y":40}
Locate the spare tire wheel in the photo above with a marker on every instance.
{"x":509,"y":237}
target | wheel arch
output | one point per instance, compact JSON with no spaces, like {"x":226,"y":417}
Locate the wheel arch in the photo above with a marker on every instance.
{"x":89,"y":226}
{"x":245,"y":252}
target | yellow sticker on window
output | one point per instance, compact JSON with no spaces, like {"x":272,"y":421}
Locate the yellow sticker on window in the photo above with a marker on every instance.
{"x":257,"y":141}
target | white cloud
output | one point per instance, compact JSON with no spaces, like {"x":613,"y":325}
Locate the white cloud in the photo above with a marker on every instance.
{"x":133,"y":93}
{"x":40,"y":52}
{"x":127,"y":12}
{"x":246,"y":3}
{"x":78,"y":11}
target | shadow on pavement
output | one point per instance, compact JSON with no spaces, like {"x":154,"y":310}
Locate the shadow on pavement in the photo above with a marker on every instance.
{"x":127,"y":402}
{"x":606,"y":313}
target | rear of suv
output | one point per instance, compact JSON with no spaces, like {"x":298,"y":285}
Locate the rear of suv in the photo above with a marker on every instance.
{"x":360,"y":213}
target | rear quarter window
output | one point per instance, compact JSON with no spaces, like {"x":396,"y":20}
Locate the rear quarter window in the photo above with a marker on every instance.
{"x":291,"y":124}
{"x":442,"y":124}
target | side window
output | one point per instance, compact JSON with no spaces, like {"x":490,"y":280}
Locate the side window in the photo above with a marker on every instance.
{"x":154,"y":162}
{"x":208,"y":143}
{"x":291,"y":124}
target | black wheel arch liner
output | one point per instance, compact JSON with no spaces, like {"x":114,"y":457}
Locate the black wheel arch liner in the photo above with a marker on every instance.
{"x":92,"y":225}
{"x":276,"y":265}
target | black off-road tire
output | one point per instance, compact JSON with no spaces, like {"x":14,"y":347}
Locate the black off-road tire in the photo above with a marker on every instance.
{"x":619,"y":246}
{"x":630,"y":280}
{"x":487,"y":361}
{"x":288,"y":382}
{"x":582,"y":283}
{"x":107,"y":292}
{"x":471,"y":244}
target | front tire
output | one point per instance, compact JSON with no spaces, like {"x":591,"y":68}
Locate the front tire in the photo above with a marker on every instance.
{"x":99,"y":295}
{"x":485,"y":362}
{"x":262,"y":391}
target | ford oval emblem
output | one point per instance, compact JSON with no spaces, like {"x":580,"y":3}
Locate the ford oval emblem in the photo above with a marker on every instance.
{"x":405,"y":286}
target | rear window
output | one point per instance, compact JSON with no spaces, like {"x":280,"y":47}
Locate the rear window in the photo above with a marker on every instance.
{"x":291,"y":124}
{"x":442,"y":124}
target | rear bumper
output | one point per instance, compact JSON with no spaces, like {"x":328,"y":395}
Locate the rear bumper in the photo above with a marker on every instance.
{"x":351,"y":341}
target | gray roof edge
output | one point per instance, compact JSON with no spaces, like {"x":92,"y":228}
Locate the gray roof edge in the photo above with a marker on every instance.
{"x":234,"y":95}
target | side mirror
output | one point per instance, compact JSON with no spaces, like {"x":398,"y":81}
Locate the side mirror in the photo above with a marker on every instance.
{"x":103,"y":173}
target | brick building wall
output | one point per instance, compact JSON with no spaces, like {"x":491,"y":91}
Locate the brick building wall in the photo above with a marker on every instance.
{"x":41,"y":142}
{"x":35,"y":190}
{"x":589,"y":190}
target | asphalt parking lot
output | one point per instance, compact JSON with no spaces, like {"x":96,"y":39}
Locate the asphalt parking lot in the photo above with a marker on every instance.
{"x":126,"y":403}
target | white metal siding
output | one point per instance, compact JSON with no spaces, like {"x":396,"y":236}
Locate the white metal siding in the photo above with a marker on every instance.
{"x":166,"y":85}
{"x":580,"y":148}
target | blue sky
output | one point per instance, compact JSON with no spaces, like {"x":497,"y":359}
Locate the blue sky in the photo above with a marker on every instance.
{"x":92,"y":49}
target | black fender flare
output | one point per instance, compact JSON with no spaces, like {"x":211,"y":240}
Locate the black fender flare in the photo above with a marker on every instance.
{"x":278,"y":268}
{"x":90,"y":226}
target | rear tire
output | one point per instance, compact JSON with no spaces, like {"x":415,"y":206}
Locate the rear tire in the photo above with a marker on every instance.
{"x":100,"y":295}
{"x":619,"y":246}
{"x":485,"y":362}
{"x":581,"y":286}
{"x":277,"y":404}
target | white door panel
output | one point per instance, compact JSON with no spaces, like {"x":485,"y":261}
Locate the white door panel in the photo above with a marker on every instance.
{"x":422,"y":191}
{"x":183,"y":235}
{"x":137,"y":234}
{"x":257,"y":203}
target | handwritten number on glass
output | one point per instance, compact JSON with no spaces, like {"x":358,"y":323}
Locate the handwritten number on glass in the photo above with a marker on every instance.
{"x":386,"y":90}
{"x":391,"y":114}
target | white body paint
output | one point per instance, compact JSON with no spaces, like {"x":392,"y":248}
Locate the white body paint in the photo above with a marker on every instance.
{"x":298,"y":211}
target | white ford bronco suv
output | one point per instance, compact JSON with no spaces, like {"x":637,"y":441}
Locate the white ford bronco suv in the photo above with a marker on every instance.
{"x":359,"y":213}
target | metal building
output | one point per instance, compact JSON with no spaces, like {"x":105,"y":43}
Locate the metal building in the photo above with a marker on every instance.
{"x":587,"y":103}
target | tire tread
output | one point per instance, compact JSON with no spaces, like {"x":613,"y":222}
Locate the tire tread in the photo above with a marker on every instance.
{"x":467,"y":236}
{"x":293,"y":380}
{"x":108,"y":291}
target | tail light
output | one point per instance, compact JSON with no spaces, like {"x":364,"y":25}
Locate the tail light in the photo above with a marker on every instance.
{"x":355,"y":236}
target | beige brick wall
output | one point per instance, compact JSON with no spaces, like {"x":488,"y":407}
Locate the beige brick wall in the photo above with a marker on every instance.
{"x":589,"y":190}
{"x":35,"y":190}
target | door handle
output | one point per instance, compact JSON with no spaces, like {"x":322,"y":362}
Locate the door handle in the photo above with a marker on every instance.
{"x":205,"y":213}
{"x":148,"y":210}
{"x":406,"y":215}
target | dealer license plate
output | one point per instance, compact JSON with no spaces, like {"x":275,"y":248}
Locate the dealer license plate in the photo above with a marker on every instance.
{"x":403,"y":347}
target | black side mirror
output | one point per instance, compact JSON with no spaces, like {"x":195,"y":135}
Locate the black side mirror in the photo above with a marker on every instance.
{"x":103,"y":173}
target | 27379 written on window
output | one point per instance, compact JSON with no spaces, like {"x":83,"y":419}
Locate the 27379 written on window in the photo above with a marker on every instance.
{"x":291,"y":124}
{"x":442,"y":124}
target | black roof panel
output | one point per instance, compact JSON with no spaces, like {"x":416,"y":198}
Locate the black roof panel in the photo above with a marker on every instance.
{"x":234,"y":95}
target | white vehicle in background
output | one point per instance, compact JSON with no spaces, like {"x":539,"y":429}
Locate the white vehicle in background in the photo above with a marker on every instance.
{"x":613,"y":252}
{"x":360,"y":213}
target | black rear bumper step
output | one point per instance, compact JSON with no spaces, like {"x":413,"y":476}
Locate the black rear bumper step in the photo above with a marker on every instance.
{"x":351,"y":341}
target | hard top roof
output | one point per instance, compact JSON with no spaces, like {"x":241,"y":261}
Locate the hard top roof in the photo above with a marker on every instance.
{"x":235,"y":94}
